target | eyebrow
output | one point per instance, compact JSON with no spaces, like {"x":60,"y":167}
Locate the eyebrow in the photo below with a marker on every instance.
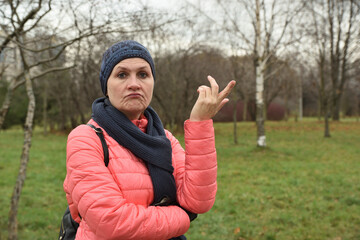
{"x":126,"y":68}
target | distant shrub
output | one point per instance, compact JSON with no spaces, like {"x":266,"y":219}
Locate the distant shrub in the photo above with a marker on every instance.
{"x":18,"y":107}
{"x":275,"y":112}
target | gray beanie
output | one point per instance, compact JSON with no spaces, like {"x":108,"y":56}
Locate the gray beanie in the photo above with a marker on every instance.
{"x":118,"y":52}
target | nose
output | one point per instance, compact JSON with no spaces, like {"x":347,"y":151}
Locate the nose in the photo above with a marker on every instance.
{"x":133,"y":82}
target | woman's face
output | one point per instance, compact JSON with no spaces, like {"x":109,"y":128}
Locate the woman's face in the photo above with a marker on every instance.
{"x":130,"y":87}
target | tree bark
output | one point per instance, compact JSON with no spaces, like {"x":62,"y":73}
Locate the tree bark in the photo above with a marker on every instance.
{"x":235,"y":122}
{"x":45,"y":105}
{"x":259,"y":70}
{"x":286,"y":117}
{"x":319,"y":109}
{"x":336,"y":108}
{"x":5,"y":106}
{"x":300,"y":101}
{"x":62,"y":120}
{"x":324,"y":95}
{"x":260,"y":121}
{"x":245,"y":109}
{"x":28,"y":128}
{"x":326,"y":119}
{"x":7,"y":101}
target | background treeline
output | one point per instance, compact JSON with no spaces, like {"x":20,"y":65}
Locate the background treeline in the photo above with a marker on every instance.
{"x":187,"y":46}
{"x":64,"y":98}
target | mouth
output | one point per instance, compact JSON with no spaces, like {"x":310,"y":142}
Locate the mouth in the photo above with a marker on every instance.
{"x":134,"y":95}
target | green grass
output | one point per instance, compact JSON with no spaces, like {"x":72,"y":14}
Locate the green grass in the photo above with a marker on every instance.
{"x":302,"y":186}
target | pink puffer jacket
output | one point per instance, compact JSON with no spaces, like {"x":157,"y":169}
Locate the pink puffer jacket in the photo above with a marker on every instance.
{"x":114,"y":201}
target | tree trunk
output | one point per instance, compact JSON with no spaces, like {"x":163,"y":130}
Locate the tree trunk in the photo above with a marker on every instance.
{"x":336,"y":107}
{"x":45,"y":104}
{"x":259,"y":71}
{"x":265,"y":108}
{"x":62,"y":120}
{"x":326,"y":118}
{"x":76,"y":103}
{"x":12,"y":228}
{"x":261,"y":138}
{"x":235,"y":122}
{"x":286,"y":117}
{"x":245,"y":109}
{"x":357,"y":109}
{"x":7,"y":101}
{"x":5,"y":106}
{"x":300,"y":101}
{"x":319,"y":110}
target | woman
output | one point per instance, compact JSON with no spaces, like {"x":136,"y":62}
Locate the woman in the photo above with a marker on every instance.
{"x":151,"y":185}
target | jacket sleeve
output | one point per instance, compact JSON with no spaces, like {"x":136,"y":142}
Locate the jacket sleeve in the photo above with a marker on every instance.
{"x":196,"y":167}
{"x":92,"y":192}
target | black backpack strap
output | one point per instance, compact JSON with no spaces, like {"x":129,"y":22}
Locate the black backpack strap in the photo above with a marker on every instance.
{"x":100,"y":133}
{"x":69,"y":226}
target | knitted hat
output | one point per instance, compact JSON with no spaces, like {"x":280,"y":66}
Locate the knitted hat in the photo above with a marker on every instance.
{"x":118,"y":52}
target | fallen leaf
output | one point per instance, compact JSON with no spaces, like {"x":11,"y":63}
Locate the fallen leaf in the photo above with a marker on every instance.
{"x":236,"y":230}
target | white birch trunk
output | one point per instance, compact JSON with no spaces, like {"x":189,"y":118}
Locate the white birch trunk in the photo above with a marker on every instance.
{"x":12,"y":228}
{"x":259,"y":70}
{"x":261,"y":138}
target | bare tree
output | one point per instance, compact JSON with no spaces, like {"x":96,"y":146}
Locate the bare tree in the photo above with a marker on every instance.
{"x":270,"y":24}
{"x":342,"y":24}
{"x":330,"y":29}
{"x":320,"y":42}
{"x":241,"y":69}
{"x":25,"y":152}
{"x":22,"y":24}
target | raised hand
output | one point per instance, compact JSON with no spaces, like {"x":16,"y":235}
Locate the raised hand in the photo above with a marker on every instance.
{"x":210,"y":101}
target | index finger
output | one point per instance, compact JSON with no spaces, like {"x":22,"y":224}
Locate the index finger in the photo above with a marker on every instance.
{"x":227,"y":90}
{"x":214,"y":86}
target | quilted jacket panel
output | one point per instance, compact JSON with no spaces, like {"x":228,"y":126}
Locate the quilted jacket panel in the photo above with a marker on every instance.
{"x":114,"y":201}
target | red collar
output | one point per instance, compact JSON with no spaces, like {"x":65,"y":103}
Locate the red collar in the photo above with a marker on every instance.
{"x":141,"y":123}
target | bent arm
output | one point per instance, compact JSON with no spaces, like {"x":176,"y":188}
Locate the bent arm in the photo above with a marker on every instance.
{"x":196,"y":168}
{"x":196,"y":174}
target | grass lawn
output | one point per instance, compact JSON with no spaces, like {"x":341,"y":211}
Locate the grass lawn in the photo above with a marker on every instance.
{"x":302,"y":186}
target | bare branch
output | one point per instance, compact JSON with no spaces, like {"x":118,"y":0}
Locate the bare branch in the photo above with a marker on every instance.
{"x":18,"y":30}
{"x":40,"y":17}
{"x":51,"y":70}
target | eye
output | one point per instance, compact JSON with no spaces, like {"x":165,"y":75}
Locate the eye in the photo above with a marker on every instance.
{"x":121,"y":75}
{"x":143,"y":75}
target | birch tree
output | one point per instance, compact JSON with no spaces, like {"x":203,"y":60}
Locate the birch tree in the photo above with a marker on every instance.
{"x":260,"y":60}
{"x":22,"y":23}
{"x":28,"y":127}
{"x":267,"y":35}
